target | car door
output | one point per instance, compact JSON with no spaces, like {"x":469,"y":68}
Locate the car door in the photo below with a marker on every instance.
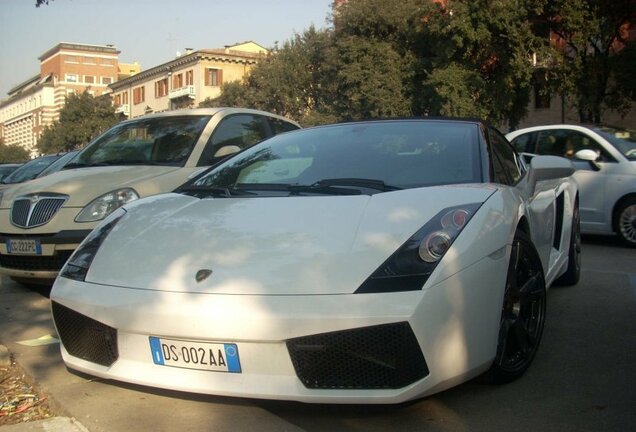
{"x":542,"y":208}
{"x":592,"y":178}
{"x":232,"y":134}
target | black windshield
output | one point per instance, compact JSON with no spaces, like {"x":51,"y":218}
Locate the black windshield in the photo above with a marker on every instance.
{"x":370,"y":157}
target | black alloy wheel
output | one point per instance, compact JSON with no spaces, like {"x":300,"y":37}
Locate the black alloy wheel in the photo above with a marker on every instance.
{"x":523,"y":313}
{"x":573,"y":272}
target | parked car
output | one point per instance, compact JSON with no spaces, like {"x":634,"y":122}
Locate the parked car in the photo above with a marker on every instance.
{"x":43,"y":221}
{"x":8,"y":168}
{"x":605,"y":159}
{"x":29,"y":170}
{"x":58,"y":164}
{"x":370,"y":262}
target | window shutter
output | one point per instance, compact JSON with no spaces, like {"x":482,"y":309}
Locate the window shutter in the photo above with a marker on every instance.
{"x":219,"y":77}
{"x":207,"y":76}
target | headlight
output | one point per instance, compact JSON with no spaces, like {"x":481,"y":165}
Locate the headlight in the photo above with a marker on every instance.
{"x":78,"y":264}
{"x":410,"y":266}
{"x":101,"y":207}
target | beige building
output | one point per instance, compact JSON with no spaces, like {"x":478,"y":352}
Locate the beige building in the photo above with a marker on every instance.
{"x":185,"y":81}
{"x":64,"y":69}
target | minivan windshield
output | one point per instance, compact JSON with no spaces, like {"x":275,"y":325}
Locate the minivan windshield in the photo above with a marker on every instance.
{"x":150,"y":141}
{"x":354,"y":158}
{"x":624,"y":140}
{"x":30,"y":170}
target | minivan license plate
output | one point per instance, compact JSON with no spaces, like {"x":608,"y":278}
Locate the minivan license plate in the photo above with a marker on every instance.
{"x":218,"y":357}
{"x":24,"y":247}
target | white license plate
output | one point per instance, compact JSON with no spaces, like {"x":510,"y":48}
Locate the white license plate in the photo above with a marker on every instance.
{"x":24,"y":247}
{"x":219,"y":357}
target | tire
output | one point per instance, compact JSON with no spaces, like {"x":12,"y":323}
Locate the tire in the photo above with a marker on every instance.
{"x":625,"y":222}
{"x":573,"y":272}
{"x":522,"y":315}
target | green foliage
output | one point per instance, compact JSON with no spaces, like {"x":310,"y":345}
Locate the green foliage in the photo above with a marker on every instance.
{"x":469,"y":58}
{"x":371,"y":80}
{"x":81,"y":120}
{"x":595,"y":63}
{"x":13,"y":153}
{"x":477,"y":57}
{"x":290,"y":82}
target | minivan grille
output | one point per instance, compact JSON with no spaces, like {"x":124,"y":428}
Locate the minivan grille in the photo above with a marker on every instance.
{"x":35,"y":210}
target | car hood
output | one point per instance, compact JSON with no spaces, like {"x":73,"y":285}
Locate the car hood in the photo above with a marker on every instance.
{"x":265,"y":246}
{"x":83,"y":185}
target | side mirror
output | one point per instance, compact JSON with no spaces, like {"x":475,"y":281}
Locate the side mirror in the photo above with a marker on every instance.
{"x":548,"y":168}
{"x":588,"y":155}
{"x":226,"y":151}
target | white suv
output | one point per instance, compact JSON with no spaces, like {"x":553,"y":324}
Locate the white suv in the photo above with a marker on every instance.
{"x":44,"y":220}
{"x":605,"y":159}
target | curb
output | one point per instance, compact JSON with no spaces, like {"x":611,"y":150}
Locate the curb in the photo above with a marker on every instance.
{"x":55,"y":424}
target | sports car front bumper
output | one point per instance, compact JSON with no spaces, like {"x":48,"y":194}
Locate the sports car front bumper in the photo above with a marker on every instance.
{"x":454,"y":332}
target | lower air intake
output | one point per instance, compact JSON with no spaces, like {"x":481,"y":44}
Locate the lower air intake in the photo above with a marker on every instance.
{"x":84,"y":337}
{"x":378,"y":357}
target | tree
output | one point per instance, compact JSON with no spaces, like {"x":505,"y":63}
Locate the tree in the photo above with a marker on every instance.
{"x":12,"y":153}
{"x":464,"y":58}
{"x":594,"y":59}
{"x":477,"y":57}
{"x":291,"y":81}
{"x":82,"y":119}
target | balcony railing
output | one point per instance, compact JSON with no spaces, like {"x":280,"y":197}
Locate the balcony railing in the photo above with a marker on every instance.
{"x":187,"y":91}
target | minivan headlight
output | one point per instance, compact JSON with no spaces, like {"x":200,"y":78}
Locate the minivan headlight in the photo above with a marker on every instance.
{"x":101,"y":207}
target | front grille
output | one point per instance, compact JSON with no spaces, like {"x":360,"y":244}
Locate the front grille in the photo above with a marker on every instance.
{"x":32,"y":211}
{"x":84,"y":337}
{"x":378,"y":357}
{"x":36,"y":262}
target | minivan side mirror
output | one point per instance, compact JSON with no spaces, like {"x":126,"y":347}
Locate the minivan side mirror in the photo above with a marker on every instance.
{"x":588,"y":155}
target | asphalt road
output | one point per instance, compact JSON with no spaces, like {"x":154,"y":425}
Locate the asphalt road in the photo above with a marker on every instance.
{"x":583,"y":377}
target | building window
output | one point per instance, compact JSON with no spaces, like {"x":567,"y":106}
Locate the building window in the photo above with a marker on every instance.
{"x":70,"y":78}
{"x":177,"y":81}
{"x":213,"y":77}
{"x":89,"y":79}
{"x":139,"y":95}
{"x":107,"y":80}
{"x":117,"y":100}
{"x":161,"y":88}
{"x":124,"y":98}
{"x":189,"y":78}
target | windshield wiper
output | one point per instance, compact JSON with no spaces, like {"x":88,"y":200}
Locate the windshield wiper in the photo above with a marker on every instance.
{"x":215,"y":191}
{"x":83,"y":165}
{"x":356,"y":182}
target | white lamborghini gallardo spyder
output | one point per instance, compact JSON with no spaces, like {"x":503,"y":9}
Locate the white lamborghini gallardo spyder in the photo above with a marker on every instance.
{"x":370,"y":262}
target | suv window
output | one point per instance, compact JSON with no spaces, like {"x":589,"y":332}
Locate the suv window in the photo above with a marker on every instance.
{"x":565,"y":143}
{"x":235,"y":132}
{"x":523,"y":143}
{"x":280,"y":126}
{"x":507,"y":162}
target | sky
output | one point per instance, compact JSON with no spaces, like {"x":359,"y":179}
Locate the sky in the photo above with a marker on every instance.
{"x":147,"y":31}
